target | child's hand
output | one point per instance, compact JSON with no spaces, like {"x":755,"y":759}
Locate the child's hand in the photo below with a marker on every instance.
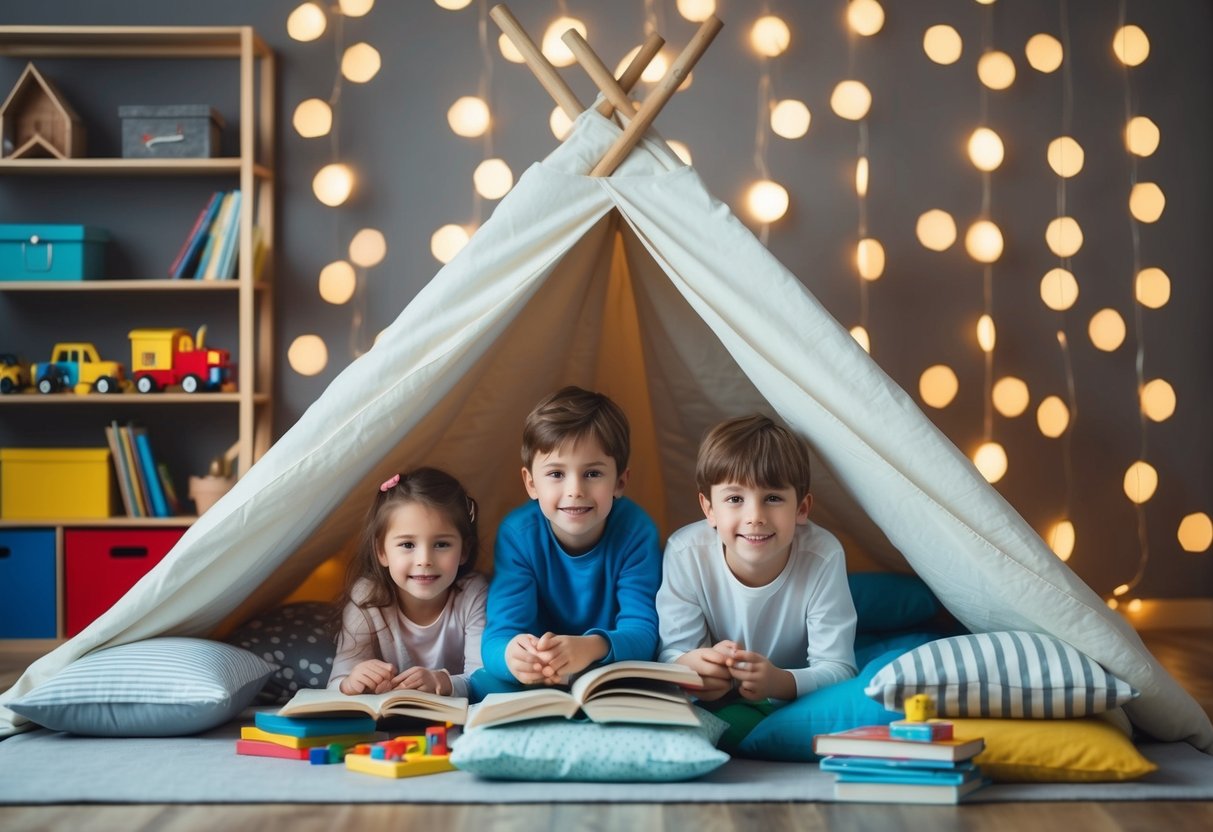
{"x":758,"y":679}
{"x":562,"y":656}
{"x":522,"y":661}
{"x":370,"y":676}
{"x":709,"y":663}
{"x":424,"y":679}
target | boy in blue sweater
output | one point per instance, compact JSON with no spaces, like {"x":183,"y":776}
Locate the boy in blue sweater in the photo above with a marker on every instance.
{"x":576,"y":569}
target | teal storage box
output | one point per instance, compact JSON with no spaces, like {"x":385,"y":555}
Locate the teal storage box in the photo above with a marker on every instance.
{"x":27,"y":584}
{"x":52,"y":252}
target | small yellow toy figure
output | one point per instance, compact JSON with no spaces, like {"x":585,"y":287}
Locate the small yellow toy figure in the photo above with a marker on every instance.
{"x":920,"y":708}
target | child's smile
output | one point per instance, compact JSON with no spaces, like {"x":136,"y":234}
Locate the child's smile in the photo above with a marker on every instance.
{"x":422,"y":551}
{"x":576,"y":485}
{"x":756,"y":526}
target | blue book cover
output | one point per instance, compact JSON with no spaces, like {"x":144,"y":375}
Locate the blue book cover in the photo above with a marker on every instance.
{"x":926,"y":777}
{"x":148,"y":464}
{"x":293,"y":726}
{"x":226,"y":268}
{"x":840,"y":763}
{"x":184,"y":263}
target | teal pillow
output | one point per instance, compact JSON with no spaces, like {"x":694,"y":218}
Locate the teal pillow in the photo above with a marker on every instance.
{"x":887,"y":601}
{"x":562,"y":749}
{"x":161,"y":687}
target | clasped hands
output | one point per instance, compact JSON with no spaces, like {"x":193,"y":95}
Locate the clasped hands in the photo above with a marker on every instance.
{"x":376,"y":676}
{"x":727,"y":665}
{"x":551,"y":659}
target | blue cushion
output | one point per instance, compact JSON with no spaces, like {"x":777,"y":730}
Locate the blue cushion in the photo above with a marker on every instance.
{"x":562,"y":749}
{"x":161,"y":687}
{"x":890,"y":601}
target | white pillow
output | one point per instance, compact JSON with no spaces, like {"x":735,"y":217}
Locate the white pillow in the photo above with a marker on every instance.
{"x":1009,"y":674}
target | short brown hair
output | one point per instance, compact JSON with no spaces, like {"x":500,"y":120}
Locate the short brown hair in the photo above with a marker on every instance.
{"x":570,"y":415}
{"x":753,"y":451}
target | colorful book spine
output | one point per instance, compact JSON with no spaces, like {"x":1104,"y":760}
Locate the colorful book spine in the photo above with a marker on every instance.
{"x":138,"y":490}
{"x":226,"y":268}
{"x":196,"y":239}
{"x":120,"y":471}
{"x":147,"y":464}
{"x":209,"y":251}
{"x":210,"y":269}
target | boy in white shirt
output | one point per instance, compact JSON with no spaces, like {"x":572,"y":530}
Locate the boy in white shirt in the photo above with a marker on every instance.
{"x":754,"y":597}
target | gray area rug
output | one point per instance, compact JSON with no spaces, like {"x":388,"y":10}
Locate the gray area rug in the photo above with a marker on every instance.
{"x":51,"y":767}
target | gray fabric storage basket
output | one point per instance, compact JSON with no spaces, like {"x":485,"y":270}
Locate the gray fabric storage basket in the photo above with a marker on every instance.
{"x":183,"y":131}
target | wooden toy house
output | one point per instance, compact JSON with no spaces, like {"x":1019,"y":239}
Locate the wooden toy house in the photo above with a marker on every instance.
{"x":36,"y":121}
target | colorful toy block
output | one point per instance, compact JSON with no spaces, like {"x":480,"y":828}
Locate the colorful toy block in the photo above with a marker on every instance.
{"x":313,"y":726}
{"x":435,"y":740}
{"x":318,"y":756}
{"x":919,"y":708}
{"x":931,"y":731}
{"x":401,"y":756}
{"x":250,"y":732}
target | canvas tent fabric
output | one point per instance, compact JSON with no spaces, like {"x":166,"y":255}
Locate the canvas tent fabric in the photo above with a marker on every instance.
{"x":644,"y":286}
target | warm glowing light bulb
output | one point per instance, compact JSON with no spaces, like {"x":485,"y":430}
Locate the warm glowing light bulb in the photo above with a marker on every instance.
{"x":680,"y":150}
{"x":368,"y":248}
{"x":865,"y":17}
{"x":508,"y":50}
{"x":861,"y":337}
{"x":869,"y":259}
{"x":559,"y":123}
{"x":355,"y":8}
{"x":1152,"y":288}
{"x":767,"y":200}
{"x":987,"y":334}
{"x":985,"y":149}
{"x":337,"y":282}
{"x":936,"y":230}
{"x":1130,"y":45}
{"x":453,"y":5}
{"x":448,"y":241}
{"x":468,"y":116}
{"x":333,"y":184}
{"x":1142,"y":136}
{"x":360,"y":63}
{"x":942,"y":44}
{"x":991,"y":461}
{"x":983,"y":241}
{"x":1134,"y":606}
{"x":313,"y":117}
{"x":1146,"y":202}
{"x":1061,"y":539}
{"x":790,"y":118}
{"x":851,"y":100}
{"x":1010,"y":396}
{"x":1121,"y":590}
{"x":554,"y":49}
{"x":1158,"y":400}
{"x":861,"y":176}
{"x":770,"y":36}
{"x":1065,"y":156}
{"x":1196,"y":533}
{"x":1064,"y":236}
{"x":1058,"y":289}
{"x":1107,"y":330}
{"x":1113,"y":603}
{"x":308,"y":355}
{"x":996,"y":70}
{"x":493,"y":178}
{"x":1052,"y":417}
{"x":696,"y":11}
{"x":1141,"y":480}
{"x":306,"y":23}
{"x":938,"y":385}
{"x":1044,"y":52}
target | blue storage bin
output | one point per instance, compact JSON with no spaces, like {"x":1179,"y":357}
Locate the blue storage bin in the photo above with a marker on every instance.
{"x":52,"y":252}
{"x":27,"y":583}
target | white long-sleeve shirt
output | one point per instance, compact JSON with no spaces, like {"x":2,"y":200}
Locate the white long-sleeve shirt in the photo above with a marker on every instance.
{"x":803,"y":621}
{"x":450,"y":642}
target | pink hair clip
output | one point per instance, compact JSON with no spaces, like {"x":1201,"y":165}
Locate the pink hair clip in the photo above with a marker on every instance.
{"x":390,"y":483}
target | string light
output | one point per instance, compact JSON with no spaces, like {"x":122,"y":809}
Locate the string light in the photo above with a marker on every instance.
{"x":1064,"y":236}
{"x":468,"y":116}
{"x":996,"y":70}
{"x":851,"y":100}
{"x":1152,"y":288}
{"x":1195,"y":533}
{"x":1107,"y":330}
{"x":1146,"y":202}
{"x":767,"y":200}
{"x":368,"y":248}
{"x":355,"y":8}
{"x":770,"y":36}
{"x":555,"y":49}
{"x":1158,"y":400}
{"x":360,"y":63}
{"x":938,"y":385}
{"x":1052,"y":417}
{"x":1058,"y":289}
{"x":1044,"y":53}
{"x":493,"y":178}
{"x":983,"y":241}
{"x":991,"y":460}
{"x":448,"y":241}
{"x":1061,"y":539}
{"x":1011,"y":396}
{"x":1065,"y":156}
{"x":790,"y":118}
{"x":313,"y":118}
{"x":1141,"y":480}
{"x":308,"y":355}
{"x":1131,"y":46}
{"x":337,"y":282}
{"x":696,"y":11}
{"x":333,"y":184}
{"x":865,"y":17}
{"x":1142,"y":136}
{"x":936,"y":230}
{"x":985,"y":149}
{"x":306,"y":23}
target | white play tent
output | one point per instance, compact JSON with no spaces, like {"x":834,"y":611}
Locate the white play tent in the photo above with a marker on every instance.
{"x":644,"y":286}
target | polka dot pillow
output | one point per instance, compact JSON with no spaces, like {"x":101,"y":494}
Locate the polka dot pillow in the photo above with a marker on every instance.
{"x":298,"y":639}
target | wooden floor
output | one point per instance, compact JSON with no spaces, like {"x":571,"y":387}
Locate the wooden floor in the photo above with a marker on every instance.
{"x":1187,"y":654}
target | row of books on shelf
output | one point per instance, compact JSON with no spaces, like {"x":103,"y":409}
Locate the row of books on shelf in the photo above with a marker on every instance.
{"x":144,"y":484}
{"x":211,"y":249}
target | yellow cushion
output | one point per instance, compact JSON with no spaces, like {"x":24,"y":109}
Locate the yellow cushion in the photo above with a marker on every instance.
{"x":1054,"y":750}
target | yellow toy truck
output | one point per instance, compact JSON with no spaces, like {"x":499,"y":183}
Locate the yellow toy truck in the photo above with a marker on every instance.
{"x":160,"y":357}
{"x":78,"y":367}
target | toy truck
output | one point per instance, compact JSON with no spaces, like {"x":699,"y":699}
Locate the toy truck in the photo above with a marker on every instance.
{"x":12,"y":376}
{"x":77,"y":366}
{"x":161,"y":357}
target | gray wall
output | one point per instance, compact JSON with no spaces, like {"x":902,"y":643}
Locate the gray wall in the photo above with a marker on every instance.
{"x":417,"y":176}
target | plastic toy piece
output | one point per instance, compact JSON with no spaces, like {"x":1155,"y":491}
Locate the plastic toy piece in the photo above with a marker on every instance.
{"x":919,"y":708}
{"x":78,"y":367}
{"x":435,"y":740}
{"x":160,"y":357}
{"x":318,"y":756}
{"x":336,"y":752}
{"x":413,"y":765}
{"x":931,"y":731}
{"x":248,"y":732}
{"x":257,"y":748}
{"x":12,"y":375}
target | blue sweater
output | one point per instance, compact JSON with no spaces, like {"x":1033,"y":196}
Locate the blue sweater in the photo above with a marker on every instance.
{"x":608,"y":591}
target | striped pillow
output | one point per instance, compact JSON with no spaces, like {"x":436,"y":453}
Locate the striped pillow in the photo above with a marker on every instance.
{"x":161,"y":687}
{"x":1014,"y":674}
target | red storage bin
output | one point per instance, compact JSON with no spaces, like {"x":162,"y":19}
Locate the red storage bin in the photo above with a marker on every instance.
{"x":102,"y":564}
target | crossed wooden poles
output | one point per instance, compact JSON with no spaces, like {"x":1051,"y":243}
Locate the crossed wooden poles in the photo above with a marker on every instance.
{"x":615,"y":90}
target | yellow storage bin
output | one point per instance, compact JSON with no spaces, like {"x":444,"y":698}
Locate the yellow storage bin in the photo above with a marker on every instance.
{"x":52,"y":483}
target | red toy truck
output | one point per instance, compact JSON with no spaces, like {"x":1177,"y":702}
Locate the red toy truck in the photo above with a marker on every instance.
{"x":160,"y":357}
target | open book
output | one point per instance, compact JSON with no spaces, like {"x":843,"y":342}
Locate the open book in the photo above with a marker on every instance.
{"x":413,"y":703}
{"x":630,"y":691}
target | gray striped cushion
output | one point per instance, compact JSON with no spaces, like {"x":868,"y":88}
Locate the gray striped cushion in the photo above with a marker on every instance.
{"x":155,"y":688}
{"x":1013,"y":674}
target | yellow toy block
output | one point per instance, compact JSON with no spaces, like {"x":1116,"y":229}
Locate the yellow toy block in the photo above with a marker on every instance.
{"x":250,"y":732}
{"x":413,"y":765}
{"x":919,"y":708}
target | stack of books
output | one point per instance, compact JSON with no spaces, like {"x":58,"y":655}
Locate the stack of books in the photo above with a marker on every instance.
{"x":291,"y":738}
{"x":209,"y":251}
{"x":145,"y":484}
{"x":905,"y":762}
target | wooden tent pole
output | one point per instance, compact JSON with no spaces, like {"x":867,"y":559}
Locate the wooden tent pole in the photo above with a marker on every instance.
{"x":616,"y":96}
{"x":544,"y":71}
{"x":631,"y":76}
{"x":657,"y":99}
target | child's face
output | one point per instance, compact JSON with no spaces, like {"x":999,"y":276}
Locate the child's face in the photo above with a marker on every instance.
{"x":576,"y":486}
{"x":756,"y":526}
{"x":422,"y":551}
